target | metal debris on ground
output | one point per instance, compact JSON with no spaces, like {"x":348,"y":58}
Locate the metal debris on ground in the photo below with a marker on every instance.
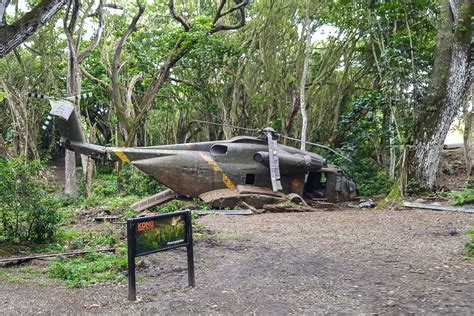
{"x":363,"y":204}
{"x":367,"y":204}
{"x":224,"y":212}
{"x":438,"y":207}
{"x":155,"y":200}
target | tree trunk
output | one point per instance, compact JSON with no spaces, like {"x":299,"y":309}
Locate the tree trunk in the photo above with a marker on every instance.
{"x":70,"y":186}
{"x":447,"y":89}
{"x":90,"y":165}
{"x":74,"y":77}
{"x":307,"y":57}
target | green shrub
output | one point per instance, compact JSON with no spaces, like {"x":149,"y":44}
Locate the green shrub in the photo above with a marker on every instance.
{"x":136,"y":182}
{"x":90,"y":269}
{"x":463,"y":197}
{"x":364,"y":135}
{"x":105,"y":185}
{"x":27,"y":211}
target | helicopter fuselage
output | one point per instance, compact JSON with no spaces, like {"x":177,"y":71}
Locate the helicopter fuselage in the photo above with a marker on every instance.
{"x":195,"y":168}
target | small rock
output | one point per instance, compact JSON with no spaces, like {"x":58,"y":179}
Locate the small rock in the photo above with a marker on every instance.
{"x":390,"y":303}
{"x":452,"y":231}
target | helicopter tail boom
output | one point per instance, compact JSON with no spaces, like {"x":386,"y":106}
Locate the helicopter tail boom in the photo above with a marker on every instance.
{"x":70,"y":130}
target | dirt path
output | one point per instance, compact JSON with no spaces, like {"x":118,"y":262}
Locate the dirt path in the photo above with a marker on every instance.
{"x":347,"y":261}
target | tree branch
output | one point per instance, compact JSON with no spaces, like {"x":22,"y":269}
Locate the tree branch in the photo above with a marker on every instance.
{"x":116,"y":67}
{"x":218,"y":12}
{"x":131,"y":87}
{"x":81,"y":25}
{"x":241,"y":4}
{"x":234,"y":8}
{"x":98,"y":34}
{"x":177,"y":17}
{"x":91,"y":77}
{"x":13,"y":35}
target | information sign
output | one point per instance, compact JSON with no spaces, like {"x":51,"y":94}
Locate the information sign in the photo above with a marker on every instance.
{"x":151,"y":234}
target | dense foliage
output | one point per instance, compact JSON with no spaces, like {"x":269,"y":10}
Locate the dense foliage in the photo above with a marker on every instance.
{"x":27,"y":211}
{"x":371,"y":90}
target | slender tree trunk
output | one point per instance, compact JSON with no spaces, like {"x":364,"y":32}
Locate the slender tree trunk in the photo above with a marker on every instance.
{"x":393,"y":154}
{"x":90,"y":165}
{"x":447,"y":90}
{"x":70,"y":187}
{"x":307,"y":57}
{"x":74,"y":77}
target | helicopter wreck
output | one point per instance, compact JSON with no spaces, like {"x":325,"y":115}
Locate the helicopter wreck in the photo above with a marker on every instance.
{"x":251,"y":170}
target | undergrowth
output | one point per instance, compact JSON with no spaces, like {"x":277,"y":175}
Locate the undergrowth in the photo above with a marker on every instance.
{"x":465,"y":196}
{"x":90,"y":269}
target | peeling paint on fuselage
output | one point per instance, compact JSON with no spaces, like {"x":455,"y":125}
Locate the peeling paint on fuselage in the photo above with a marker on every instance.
{"x":193,"y":169}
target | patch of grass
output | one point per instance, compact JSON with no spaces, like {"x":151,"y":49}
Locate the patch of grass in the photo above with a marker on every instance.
{"x":470,"y":244}
{"x":463,"y":197}
{"x":120,"y":201}
{"x":31,"y":271}
{"x":10,"y":277}
{"x":43,"y":283}
{"x":466,"y":196}
{"x":77,"y":239}
{"x":92,"y":268}
{"x":176,"y":205}
{"x":201,"y":235}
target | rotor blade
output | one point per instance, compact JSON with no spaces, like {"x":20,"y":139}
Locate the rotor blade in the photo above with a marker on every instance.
{"x":274,"y":163}
{"x":317,"y":145}
{"x":226,"y":125}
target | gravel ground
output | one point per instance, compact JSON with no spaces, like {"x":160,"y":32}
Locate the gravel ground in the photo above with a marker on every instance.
{"x":345,"y":261}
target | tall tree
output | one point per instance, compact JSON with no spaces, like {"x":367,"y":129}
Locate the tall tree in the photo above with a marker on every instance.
{"x":74,"y":27}
{"x":131,"y":116}
{"x":447,"y":89}
{"x":304,"y":74}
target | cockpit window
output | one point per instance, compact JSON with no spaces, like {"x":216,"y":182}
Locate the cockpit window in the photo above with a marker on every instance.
{"x":218,"y":150}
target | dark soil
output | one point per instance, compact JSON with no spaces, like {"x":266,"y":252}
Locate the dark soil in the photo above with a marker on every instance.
{"x":345,"y":261}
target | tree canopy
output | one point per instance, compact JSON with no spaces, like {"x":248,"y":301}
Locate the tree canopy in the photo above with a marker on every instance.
{"x":381,"y":81}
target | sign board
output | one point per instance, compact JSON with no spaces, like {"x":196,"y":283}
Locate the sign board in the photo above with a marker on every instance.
{"x":61,"y":108}
{"x":151,"y":234}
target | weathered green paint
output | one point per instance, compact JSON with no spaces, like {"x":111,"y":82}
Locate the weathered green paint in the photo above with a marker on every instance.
{"x":196,"y":168}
